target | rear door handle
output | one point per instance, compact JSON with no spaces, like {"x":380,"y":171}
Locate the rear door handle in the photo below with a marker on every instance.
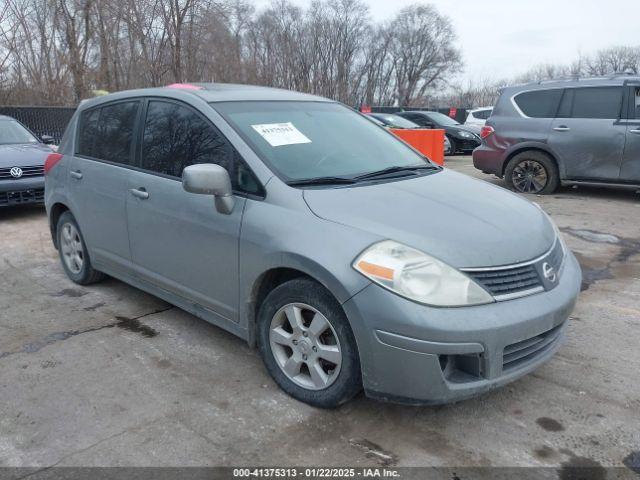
{"x":140,"y":193}
{"x":635,"y":130}
{"x":77,"y":174}
{"x":562,"y":128}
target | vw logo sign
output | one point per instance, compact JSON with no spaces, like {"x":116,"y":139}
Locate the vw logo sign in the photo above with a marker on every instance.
{"x":549,"y":272}
{"x":16,"y":172}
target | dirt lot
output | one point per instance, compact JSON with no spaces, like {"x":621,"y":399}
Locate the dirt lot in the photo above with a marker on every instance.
{"x":108,"y":375}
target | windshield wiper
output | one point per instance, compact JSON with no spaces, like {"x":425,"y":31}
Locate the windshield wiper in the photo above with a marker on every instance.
{"x":396,"y":169}
{"x":321,"y":181}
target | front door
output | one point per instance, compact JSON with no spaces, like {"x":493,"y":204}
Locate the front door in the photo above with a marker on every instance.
{"x":630,"y":168}
{"x":179,"y":241}
{"x":587,"y":135}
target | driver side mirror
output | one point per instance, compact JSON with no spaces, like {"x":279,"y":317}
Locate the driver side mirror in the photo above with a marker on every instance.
{"x":47,"y":139}
{"x":210,"y":179}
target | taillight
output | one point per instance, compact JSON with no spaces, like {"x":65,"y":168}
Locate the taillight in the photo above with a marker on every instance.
{"x":486,"y":131}
{"x":51,"y":161}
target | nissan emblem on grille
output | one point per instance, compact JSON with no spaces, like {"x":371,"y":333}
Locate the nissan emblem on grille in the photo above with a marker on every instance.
{"x":549,"y":272}
{"x":16,"y":172}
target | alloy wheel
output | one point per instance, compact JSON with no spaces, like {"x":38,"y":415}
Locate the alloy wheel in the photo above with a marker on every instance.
{"x":71,"y":246}
{"x":305,"y":346}
{"x":529,"y":176}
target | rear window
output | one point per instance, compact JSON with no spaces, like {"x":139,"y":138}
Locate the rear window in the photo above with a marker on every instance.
{"x":539,"y":103}
{"x":106,"y":133}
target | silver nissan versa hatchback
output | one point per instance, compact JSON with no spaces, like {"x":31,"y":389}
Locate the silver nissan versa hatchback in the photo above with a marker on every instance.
{"x":299,"y":225}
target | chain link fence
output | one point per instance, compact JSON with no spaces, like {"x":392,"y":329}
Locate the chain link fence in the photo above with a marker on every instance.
{"x":42,"y":120}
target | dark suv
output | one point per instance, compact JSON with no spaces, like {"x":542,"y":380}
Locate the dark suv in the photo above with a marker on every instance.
{"x":579,"y":131}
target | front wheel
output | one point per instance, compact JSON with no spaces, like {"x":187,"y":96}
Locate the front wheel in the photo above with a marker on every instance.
{"x":452,"y":147}
{"x":532,"y":172}
{"x":307,"y":344}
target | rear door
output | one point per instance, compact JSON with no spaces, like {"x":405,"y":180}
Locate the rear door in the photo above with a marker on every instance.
{"x":98,"y":180}
{"x":630,"y":167}
{"x":587,"y":135}
{"x":179,"y":242}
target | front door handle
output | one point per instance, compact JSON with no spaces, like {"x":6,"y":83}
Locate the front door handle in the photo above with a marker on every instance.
{"x":77,"y":174}
{"x":635,"y":130}
{"x":140,"y":193}
{"x":562,"y":128}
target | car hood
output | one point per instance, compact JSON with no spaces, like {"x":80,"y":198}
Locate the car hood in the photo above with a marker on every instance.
{"x":23,"y":155}
{"x":462,"y":221}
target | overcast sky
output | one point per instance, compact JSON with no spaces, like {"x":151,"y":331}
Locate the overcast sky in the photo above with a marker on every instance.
{"x":502,"y":38}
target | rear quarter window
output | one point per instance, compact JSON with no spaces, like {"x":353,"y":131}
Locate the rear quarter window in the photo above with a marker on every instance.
{"x":539,"y":103}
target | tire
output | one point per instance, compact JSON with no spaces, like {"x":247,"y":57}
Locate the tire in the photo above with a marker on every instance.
{"x":453,"y":149}
{"x":73,"y":252}
{"x":308,"y":303}
{"x":532,"y":172}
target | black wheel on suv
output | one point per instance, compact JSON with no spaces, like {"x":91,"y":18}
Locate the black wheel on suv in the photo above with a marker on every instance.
{"x":307,"y":345}
{"x":73,"y":252}
{"x":532,"y":172}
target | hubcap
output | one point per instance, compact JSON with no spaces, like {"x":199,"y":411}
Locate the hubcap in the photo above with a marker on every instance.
{"x":529,"y":176}
{"x":305,"y":346}
{"x":71,"y":247}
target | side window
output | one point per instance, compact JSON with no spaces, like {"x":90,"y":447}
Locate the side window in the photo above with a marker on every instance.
{"x":88,"y":132}
{"x":637,"y":103}
{"x":175,"y":137}
{"x":597,"y":102}
{"x":539,"y":103}
{"x":115,"y":132}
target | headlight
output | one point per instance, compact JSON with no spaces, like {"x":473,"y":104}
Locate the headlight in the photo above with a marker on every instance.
{"x":466,"y":134}
{"x":417,"y":276}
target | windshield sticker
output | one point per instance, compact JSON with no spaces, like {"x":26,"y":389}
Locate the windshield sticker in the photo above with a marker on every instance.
{"x":279,"y":134}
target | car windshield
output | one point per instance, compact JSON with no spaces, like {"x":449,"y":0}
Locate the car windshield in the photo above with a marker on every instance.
{"x":396,"y":121}
{"x":442,"y":119}
{"x":12,"y":132}
{"x":310,"y":140}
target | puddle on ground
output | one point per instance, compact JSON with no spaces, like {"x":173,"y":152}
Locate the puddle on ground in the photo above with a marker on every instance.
{"x":134,"y":325}
{"x":591,"y":272}
{"x":550,"y":424}
{"x":581,"y":468}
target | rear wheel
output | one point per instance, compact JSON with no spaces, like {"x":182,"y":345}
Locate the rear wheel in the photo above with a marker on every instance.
{"x":532,"y":172}
{"x":73,"y":252}
{"x":307,"y":344}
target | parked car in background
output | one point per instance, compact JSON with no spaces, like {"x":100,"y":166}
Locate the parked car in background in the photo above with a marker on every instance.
{"x":462,"y":138}
{"x":478,"y":117}
{"x":390,"y":120}
{"x":569,"y":132}
{"x":291,"y":221}
{"x":22,"y":157}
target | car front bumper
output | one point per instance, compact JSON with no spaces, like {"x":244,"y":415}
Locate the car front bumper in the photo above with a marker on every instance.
{"x":21,"y":191}
{"x":412,"y":353}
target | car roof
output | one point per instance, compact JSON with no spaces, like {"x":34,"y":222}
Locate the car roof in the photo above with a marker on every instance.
{"x":606,"y":81}
{"x":211,"y":92}
{"x":6,"y":117}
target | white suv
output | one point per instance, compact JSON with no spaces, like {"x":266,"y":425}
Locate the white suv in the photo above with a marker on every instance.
{"x":478,"y":116}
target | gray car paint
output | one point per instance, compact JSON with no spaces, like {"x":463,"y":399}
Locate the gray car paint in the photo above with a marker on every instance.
{"x":218,"y":261}
{"x":600,"y":150}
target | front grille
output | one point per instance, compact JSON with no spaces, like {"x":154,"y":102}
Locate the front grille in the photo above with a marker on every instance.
{"x":505,"y":283}
{"x":517,"y":354}
{"x":31,"y":171}
{"x":34,"y":195}
{"x":509,"y":281}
